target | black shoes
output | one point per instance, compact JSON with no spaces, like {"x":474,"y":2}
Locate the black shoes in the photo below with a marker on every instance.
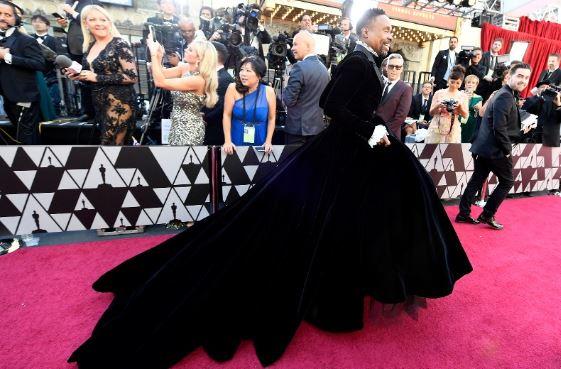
{"x":466,"y":219}
{"x":490,"y":221}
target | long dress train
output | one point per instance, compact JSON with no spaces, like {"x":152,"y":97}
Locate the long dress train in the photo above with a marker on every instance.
{"x":335,"y":222}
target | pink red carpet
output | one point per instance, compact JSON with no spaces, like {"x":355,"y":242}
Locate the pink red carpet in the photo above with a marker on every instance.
{"x":506,"y":314}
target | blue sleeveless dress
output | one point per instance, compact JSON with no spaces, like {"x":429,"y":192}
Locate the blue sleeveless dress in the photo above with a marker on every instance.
{"x":261,"y":111}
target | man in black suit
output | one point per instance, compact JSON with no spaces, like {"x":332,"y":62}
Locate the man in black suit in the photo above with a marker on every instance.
{"x":396,"y":97}
{"x":492,"y":148}
{"x":41,"y":26}
{"x":489,"y":59}
{"x":552,"y":74}
{"x":20,"y":59}
{"x":214,"y":133}
{"x":167,"y":13}
{"x":420,"y":105}
{"x":443,"y":63}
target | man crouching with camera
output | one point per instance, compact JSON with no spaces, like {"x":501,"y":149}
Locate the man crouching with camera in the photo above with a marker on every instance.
{"x":546,"y":104}
{"x":20,"y":58}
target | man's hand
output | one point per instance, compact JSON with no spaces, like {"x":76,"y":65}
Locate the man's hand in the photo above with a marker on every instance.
{"x":541,"y":89}
{"x":62,"y":22}
{"x":68,"y":9}
{"x":488,"y":78}
{"x":3,"y":52}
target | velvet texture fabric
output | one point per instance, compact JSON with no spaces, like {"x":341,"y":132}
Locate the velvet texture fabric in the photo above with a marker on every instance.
{"x":336,"y":221}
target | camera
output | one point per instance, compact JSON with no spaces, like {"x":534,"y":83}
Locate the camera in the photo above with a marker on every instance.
{"x":550,"y":92}
{"x":278,"y":51}
{"x":450,"y":104}
{"x":464,"y":56}
{"x":167,"y":34}
{"x":251,"y":15}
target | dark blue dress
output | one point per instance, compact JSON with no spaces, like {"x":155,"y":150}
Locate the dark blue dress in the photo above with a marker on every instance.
{"x":256,"y":106}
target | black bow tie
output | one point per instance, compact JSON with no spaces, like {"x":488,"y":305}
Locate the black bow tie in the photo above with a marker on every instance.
{"x":3,"y":33}
{"x":41,"y":37}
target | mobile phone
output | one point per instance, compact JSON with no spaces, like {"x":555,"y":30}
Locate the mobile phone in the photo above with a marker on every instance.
{"x":259,"y":148}
{"x":56,"y":15}
{"x":152,"y":32}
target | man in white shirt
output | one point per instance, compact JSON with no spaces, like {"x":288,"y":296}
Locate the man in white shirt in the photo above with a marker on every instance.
{"x":443,"y":63}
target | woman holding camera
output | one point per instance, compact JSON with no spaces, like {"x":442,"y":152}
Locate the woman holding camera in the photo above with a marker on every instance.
{"x":447,"y":106}
{"x":249,"y":108}
{"x":192,"y":84}
{"x":108,"y":65}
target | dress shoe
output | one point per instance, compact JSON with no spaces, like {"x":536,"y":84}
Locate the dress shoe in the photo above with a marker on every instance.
{"x":490,"y":221}
{"x":466,"y":219}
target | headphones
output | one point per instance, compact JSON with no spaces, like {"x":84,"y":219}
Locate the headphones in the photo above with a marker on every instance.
{"x":18,"y":12}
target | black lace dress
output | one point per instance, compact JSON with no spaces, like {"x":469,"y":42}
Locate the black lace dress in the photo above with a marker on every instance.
{"x":113,"y":94}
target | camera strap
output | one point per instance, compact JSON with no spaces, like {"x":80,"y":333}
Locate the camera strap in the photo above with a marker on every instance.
{"x":249,"y":128}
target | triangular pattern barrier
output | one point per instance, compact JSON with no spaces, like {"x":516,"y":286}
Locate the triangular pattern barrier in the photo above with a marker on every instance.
{"x":65,"y":188}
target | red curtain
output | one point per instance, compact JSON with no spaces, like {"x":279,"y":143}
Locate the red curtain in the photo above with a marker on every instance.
{"x":548,"y":30}
{"x":536,"y":54}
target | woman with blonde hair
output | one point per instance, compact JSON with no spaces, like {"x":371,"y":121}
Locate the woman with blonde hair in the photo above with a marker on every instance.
{"x":474,"y":104}
{"x":108,"y":65}
{"x":193,"y":85}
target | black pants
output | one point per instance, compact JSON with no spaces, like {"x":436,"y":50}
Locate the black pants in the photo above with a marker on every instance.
{"x":25,"y":120}
{"x":502,"y":168}
{"x":291,"y":139}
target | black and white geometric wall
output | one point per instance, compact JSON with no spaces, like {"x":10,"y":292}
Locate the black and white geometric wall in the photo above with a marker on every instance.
{"x":65,"y":188}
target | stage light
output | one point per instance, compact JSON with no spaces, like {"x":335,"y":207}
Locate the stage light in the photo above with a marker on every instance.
{"x":359,"y":8}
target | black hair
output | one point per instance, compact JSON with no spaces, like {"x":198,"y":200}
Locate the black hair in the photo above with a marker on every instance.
{"x":259,"y":67}
{"x":515,"y":67}
{"x":367,"y":17}
{"x":206,"y":8}
{"x":350,"y":22}
{"x":477,"y":49}
{"x":18,"y":12}
{"x":454,"y":37}
{"x":221,"y":51}
{"x":42,"y":18}
{"x":458,"y":72}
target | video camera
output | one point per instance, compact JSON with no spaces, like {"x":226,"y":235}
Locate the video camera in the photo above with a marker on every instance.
{"x":550,"y":92}
{"x":251,"y":14}
{"x":465,"y":55}
{"x":278,"y":51}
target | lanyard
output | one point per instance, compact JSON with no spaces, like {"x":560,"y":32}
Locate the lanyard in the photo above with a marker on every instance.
{"x":254,"y":105}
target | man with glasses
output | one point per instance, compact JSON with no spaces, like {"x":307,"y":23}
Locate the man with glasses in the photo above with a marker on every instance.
{"x":476,"y":67}
{"x":396,"y":96}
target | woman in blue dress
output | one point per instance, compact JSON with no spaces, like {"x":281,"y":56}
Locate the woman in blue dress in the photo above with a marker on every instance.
{"x":249,"y":109}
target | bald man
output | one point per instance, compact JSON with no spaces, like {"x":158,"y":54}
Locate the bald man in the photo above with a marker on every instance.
{"x":189,"y":31}
{"x":306,"y":83}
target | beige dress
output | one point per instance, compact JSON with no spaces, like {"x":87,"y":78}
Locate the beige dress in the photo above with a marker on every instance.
{"x":441,"y":128}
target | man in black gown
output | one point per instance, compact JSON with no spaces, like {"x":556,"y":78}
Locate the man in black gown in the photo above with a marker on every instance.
{"x":238,"y":274}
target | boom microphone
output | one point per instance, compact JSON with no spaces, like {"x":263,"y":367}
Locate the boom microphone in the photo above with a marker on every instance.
{"x":63,"y":61}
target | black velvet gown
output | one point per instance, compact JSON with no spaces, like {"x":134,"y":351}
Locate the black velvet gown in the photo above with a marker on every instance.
{"x":335,"y":222}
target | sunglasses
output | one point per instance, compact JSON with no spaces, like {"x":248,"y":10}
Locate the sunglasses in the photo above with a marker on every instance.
{"x":396,"y":67}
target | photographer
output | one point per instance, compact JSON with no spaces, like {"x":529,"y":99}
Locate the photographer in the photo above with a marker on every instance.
{"x":546,"y":105}
{"x":206,"y":14}
{"x":189,"y":32}
{"x":252,"y":31}
{"x":346,"y":38}
{"x":475,"y":67}
{"x":447,"y":105}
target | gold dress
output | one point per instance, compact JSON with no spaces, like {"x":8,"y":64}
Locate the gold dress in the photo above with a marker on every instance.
{"x":187,"y":125}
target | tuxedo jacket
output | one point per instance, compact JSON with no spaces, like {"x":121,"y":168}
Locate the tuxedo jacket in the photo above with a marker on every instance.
{"x":17,"y":80}
{"x":307,"y":81}
{"x":395,"y":106}
{"x":74,"y":33}
{"x":55,"y":45}
{"x":440,"y":65}
{"x":214,"y":133}
{"x":499,"y":128}
{"x":417,"y":107}
{"x":554,"y":78}
{"x":353,"y":94}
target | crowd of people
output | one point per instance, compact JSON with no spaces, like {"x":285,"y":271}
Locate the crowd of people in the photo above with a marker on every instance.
{"x":223,"y":101}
